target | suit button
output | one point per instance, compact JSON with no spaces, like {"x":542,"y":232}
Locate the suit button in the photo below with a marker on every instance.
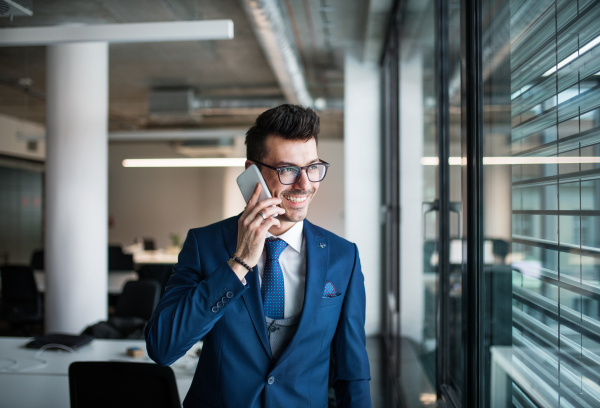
{"x":225,"y":299}
{"x":272,"y":329}
{"x":215,"y":309}
{"x":271,"y":380}
{"x":229,"y":294}
{"x":220,"y":304}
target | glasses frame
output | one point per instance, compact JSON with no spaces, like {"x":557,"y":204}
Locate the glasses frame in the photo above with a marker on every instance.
{"x":305,"y":168}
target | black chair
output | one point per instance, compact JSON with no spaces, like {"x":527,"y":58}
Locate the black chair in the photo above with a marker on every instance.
{"x":37,"y":261}
{"x":158,"y":272}
{"x":21,"y":302}
{"x":118,"y":261}
{"x":139,"y":299}
{"x":114,"y":384}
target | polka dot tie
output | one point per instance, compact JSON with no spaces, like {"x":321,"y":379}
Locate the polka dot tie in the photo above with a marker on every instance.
{"x":272,"y":290}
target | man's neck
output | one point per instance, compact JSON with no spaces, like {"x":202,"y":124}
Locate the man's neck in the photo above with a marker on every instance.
{"x":285,"y":226}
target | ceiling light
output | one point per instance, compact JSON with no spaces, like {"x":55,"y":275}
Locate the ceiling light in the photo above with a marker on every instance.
{"x":187,"y":162}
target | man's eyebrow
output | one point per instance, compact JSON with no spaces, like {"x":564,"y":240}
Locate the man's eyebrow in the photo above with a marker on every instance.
{"x":284,"y":163}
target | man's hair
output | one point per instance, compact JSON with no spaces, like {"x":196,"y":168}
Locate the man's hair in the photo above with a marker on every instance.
{"x":291,"y":122}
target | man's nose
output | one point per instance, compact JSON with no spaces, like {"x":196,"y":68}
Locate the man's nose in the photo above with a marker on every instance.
{"x":303,"y":182}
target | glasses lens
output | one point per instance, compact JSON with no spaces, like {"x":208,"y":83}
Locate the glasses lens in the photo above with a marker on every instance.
{"x":288,"y":175}
{"x":316,"y":172}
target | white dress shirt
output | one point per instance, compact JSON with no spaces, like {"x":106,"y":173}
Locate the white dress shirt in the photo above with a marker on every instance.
{"x":293,"y":264}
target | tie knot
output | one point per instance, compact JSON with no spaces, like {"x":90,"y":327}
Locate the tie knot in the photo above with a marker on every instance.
{"x":275,"y":247}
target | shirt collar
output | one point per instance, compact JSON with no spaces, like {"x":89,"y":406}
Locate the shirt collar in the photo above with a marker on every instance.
{"x":293,"y":236}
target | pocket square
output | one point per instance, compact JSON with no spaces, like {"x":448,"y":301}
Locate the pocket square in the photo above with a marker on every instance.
{"x":329,"y":290}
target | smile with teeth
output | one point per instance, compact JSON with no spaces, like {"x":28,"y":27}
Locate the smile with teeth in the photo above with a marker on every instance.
{"x":294,"y":199}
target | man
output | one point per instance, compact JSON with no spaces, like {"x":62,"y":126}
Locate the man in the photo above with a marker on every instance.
{"x":276,"y":299}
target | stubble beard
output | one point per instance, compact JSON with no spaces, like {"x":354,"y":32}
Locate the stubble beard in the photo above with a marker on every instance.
{"x":300,"y":214}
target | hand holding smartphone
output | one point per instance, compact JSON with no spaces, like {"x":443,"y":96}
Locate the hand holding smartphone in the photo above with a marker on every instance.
{"x":247,"y":183}
{"x":255,"y":221}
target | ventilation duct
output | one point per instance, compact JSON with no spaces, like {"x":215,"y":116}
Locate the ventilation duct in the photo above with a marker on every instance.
{"x":14,"y":8}
{"x":184,"y":101}
{"x":278,"y":44}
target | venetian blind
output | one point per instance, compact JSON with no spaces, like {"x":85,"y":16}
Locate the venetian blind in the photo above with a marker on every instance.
{"x":555,"y":141}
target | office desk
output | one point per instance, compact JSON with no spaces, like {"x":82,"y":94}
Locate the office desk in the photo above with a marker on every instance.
{"x":116,"y":280}
{"x":48,"y":387}
{"x":159,"y":256}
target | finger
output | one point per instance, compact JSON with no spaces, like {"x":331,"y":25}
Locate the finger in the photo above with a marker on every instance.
{"x":254,"y":199}
{"x":266,"y":225}
{"x":269,"y":211}
{"x":262,"y":205}
{"x":251,"y":204}
{"x":267,"y":203}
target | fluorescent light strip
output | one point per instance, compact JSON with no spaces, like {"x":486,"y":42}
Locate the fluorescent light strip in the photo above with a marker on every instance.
{"x":456,"y":161}
{"x":186,"y":162}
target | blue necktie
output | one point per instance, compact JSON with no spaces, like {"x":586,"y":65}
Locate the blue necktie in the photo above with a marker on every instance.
{"x":272,"y":290}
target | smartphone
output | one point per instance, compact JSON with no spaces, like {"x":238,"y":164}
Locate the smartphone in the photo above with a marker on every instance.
{"x":247,"y":183}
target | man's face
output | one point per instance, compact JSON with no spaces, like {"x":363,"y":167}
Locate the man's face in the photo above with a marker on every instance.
{"x":295,"y":198}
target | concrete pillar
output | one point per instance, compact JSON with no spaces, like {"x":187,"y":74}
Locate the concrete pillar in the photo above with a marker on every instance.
{"x":362,"y":181}
{"x":76,"y":186}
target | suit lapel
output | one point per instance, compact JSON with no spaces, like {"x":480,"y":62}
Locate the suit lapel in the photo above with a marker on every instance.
{"x":317,"y":258}
{"x":251,"y":296}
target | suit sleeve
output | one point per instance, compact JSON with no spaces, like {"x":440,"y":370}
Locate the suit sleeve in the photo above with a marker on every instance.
{"x":190,"y":306}
{"x":351,"y":373}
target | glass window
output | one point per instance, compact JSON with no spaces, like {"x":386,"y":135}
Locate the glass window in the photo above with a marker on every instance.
{"x":541,"y":197}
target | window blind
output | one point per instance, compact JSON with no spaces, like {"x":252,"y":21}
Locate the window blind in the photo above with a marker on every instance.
{"x":555,"y":113}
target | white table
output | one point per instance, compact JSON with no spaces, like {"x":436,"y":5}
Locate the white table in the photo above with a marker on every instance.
{"x":49,"y":386}
{"x":159,"y":256}
{"x":116,"y":280}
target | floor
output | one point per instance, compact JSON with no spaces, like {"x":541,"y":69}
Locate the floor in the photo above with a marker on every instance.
{"x":383,"y":394}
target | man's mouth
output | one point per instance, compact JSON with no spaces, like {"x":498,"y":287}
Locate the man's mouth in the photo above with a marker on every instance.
{"x":295,"y":199}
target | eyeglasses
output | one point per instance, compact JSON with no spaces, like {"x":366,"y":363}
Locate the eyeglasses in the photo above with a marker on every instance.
{"x":291,"y":174}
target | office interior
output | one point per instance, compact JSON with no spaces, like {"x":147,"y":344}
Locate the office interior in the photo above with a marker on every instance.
{"x":463,"y":137}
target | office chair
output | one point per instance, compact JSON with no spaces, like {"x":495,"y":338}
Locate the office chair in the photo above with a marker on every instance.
{"x":37,"y":260}
{"x":158,"y":272}
{"x":139,"y":299}
{"x":118,"y":261}
{"x":101,"y":384}
{"x":21,"y":302}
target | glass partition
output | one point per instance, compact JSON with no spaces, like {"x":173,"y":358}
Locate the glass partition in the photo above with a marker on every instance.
{"x":541,"y":192}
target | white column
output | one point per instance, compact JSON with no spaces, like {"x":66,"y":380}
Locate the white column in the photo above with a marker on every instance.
{"x":362,"y":182}
{"x":412,"y":278}
{"x":76,"y":186}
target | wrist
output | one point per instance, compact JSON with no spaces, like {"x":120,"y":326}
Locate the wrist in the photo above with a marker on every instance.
{"x":238,"y":269}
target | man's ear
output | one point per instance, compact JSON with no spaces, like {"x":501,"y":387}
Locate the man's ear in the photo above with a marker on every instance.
{"x":248,"y":163}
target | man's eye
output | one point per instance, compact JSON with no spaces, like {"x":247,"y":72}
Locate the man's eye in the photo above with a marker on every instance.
{"x":288,"y":170}
{"x":312,"y":168}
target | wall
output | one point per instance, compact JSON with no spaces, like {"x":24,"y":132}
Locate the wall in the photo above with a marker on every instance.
{"x":155,"y":202}
{"x":21,"y":187}
{"x":12,"y":143}
{"x":327,"y":208}
{"x":362,"y":177}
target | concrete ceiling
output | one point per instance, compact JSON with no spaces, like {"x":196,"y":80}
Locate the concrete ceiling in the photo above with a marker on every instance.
{"x":323,"y":31}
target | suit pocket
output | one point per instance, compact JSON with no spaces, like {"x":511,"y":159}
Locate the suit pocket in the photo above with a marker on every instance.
{"x":330,"y":301}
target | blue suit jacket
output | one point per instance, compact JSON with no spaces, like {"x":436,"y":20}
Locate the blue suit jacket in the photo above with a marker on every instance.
{"x":236,"y":368}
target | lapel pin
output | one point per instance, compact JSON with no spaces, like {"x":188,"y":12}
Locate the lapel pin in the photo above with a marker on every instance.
{"x":322,"y":245}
